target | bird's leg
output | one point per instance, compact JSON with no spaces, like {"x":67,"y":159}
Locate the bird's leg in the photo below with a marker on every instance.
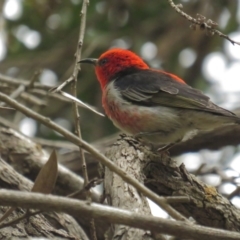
{"x":166,"y":147}
{"x":163,"y":149}
{"x":141,"y":134}
{"x":140,"y":137}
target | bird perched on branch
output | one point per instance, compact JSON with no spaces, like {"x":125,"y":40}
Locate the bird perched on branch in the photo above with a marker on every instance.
{"x":155,"y":105}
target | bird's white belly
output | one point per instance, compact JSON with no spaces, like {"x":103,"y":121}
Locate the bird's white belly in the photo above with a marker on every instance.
{"x":156,"y":124}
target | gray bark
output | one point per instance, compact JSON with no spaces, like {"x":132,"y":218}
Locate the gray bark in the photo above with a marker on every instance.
{"x":27,"y":158}
{"x":49,"y":225}
{"x":166,"y":178}
{"x":122,"y":195}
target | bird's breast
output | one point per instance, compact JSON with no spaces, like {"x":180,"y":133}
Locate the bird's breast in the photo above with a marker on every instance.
{"x":133,"y":118}
{"x":122,"y":114}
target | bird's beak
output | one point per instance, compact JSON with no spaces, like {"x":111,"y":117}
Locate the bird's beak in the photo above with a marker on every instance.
{"x":89,"y":60}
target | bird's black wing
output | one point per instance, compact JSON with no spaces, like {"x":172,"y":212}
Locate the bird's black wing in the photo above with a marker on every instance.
{"x":152,"y":88}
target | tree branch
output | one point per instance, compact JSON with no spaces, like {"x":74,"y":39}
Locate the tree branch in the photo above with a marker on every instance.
{"x":61,"y":225}
{"x":166,"y":178}
{"x":122,"y":195}
{"x":205,"y":24}
{"x":74,"y":86}
{"x":16,"y":82}
{"x":28,"y":158}
{"x":75,"y":106}
{"x":207,"y":206}
{"x":105,"y":161}
{"x":112,"y":215}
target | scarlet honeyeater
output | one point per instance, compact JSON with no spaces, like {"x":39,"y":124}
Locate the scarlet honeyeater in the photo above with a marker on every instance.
{"x":156,"y":105}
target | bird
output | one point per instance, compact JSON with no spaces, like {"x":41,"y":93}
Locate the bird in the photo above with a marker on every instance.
{"x":151,"y":104}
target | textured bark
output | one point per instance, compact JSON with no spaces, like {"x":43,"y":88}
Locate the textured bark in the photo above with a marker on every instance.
{"x":207,"y":206}
{"x":49,"y":225}
{"x":163,"y":176}
{"x":27,"y":158}
{"x":166,"y":178}
{"x":122,"y":195}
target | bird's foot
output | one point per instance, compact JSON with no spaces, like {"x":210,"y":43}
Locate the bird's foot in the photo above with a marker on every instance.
{"x":165,"y":149}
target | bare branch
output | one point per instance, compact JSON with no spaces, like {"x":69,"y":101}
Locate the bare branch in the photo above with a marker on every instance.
{"x":75,"y":107}
{"x":205,"y":24}
{"x":28,"y":158}
{"x":34,"y":78}
{"x":113,"y":215}
{"x":74,"y":87}
{"x":33,"y":99}
{"x":18,"y":219}
{"x":61,"y":86}
{"x":18,"y":91}
{"x":209,"y":208}
{"x":122,"y":195}
{"x":16,"y":82}
{"x":78,"y":102}
{"x":105,"y":161}
{"x":60,"y":225}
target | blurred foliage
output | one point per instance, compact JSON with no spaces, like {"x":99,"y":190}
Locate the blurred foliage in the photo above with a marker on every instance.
{"x":109,"y":23}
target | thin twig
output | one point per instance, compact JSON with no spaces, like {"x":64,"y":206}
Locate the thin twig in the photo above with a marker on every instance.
{"x":74,"y":85}
{"x":34,"y":78}
{"x":27,"y":214}
{"x":16,"y":93}
{"x":53,"y":143}
{"x":178,"y":199}
{"x":113,"y":215}
{"x":6,"y":123}
{"x":105,"y":161}
{"x":35,"y":88}
{"x":76,"y":70}
{"x":16,"y":82}
{"x":24,"y":85}
{"x":61,"y":86}
{"x":80,"y":103}
{"x":63,"y":98}
{"x":199,"y":170}
{"x":42,"y":92}
{"x":234,"y":193}
{"x":33,"y":99}
{"x":205,"y":24}
{"x":80,"y":193}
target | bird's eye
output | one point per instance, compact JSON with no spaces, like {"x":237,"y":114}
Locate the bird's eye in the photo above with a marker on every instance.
{"x":103,"y":61}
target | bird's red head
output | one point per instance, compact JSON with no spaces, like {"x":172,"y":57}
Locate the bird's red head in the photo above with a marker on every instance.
{"x":113,"y":62}
{"x":116,"y":62}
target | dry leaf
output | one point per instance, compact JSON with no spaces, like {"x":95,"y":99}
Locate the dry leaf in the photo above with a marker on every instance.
{"x":47,"y":176}
{"x":44,"y":182}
